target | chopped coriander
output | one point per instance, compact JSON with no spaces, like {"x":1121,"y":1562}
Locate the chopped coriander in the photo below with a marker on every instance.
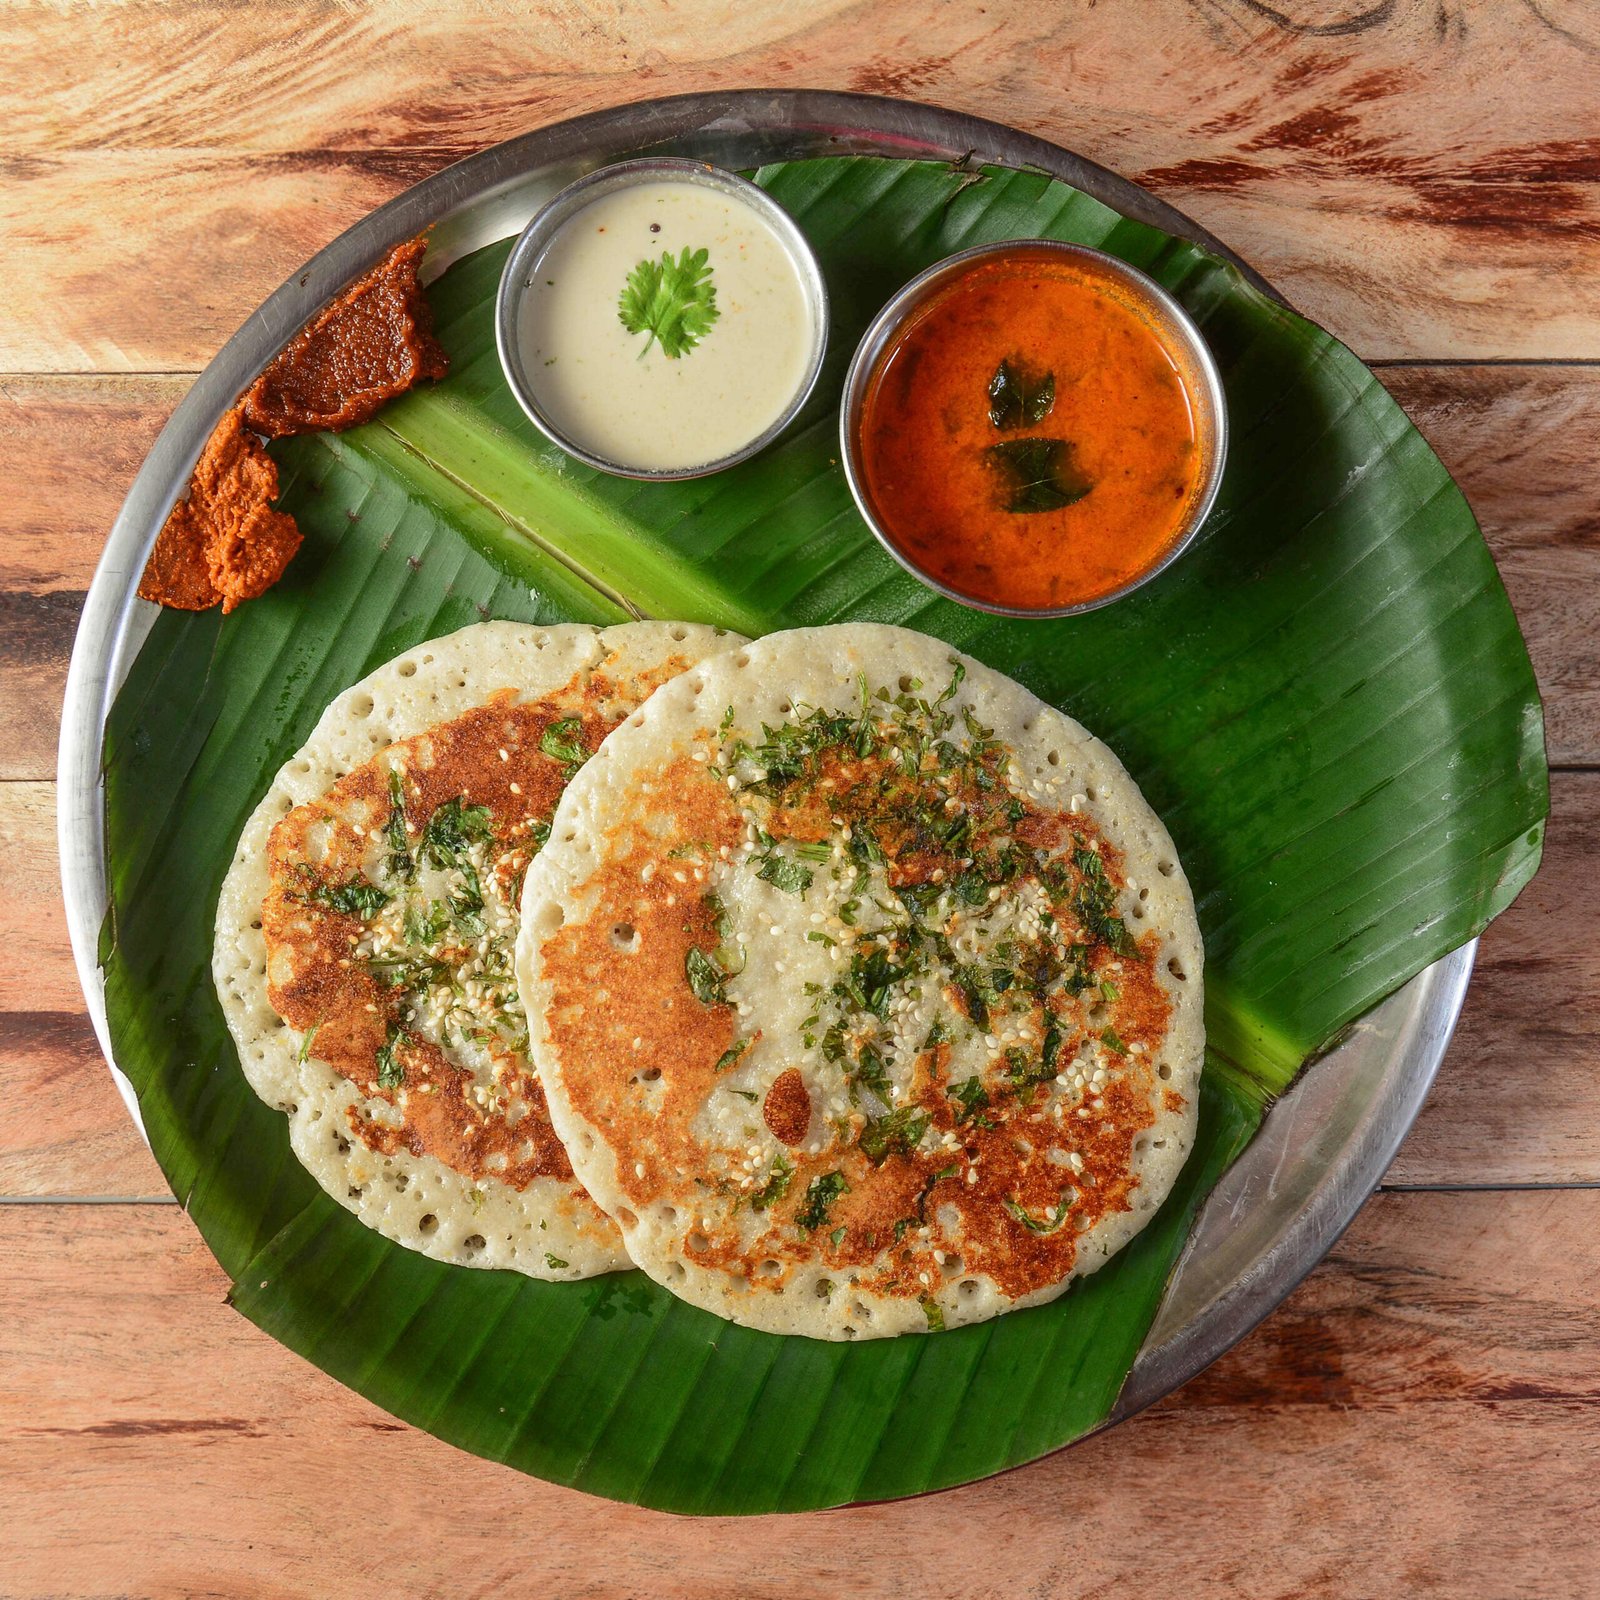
{"x":305,"y":1043}
{"x":928,"y":1187}
{"x":782,"y":873}
{"x":731,"y":1055}
{"x":973,"y":1099}
{"x":449,"y":831}
{"x":1033,"y":1224}
{"x":1108,"y":1037}
{"x":707,"y":981}
{"x":555,"y":1263}
{"x":357,"y":898}
{"x":776,"y":1186}
{"x":898,"y":1132}
{"x":935,"y":1315}
{"x":837,"y":1237}
{"x":563,"y":741}
{"x":820,"y":1195}
{"x":402,"y":864}
{"x":391,"y":1070}
{"x":425,"y":928}
{"x":743,"y":1094}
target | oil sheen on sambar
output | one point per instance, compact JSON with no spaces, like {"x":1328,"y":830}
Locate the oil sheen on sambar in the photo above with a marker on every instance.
{"x":1028,"y":441}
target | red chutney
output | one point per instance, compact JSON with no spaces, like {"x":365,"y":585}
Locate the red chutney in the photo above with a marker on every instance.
{"x":1053,"y":482}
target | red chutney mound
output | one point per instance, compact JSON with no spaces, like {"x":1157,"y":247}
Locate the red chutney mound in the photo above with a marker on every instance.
{"x":353,"y":357}
{"x":223,"y":541}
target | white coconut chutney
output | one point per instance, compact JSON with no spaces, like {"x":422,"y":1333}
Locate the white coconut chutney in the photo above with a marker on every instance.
{"x":618,"y":394}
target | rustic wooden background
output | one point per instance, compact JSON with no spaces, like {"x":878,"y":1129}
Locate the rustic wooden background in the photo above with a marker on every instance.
{"x":1423,"y":176}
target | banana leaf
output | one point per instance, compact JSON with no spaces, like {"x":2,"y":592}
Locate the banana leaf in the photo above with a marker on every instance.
{"x":1327,"y":699}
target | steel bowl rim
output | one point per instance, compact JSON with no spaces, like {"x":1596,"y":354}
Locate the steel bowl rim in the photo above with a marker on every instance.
{"x":903,"y":306}
{"x":541,"y":232}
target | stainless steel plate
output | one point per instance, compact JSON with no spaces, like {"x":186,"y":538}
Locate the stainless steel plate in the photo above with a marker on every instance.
{"x":1323,"y":1148}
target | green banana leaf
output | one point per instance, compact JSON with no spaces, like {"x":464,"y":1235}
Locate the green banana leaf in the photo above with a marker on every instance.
{"x":1327,"y":699}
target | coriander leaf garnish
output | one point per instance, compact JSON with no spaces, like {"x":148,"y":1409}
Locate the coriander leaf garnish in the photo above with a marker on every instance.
{"x":357,"y":898}
{"x":451,"y":829}
{"x":305,"y":1043}
{"x":706,"y":978}
{"x":1036,"y":475}
{"x":555,"y":1263}
{"x":1034,"y":1224}
{"x":1109,"y":1038}
{"x":731,"y":1055}
{"x":934,"y":1313}
{"x":776,"y":1186}
{"x":673,"y":301}
{"x":898,"y":1132}
{"x":820,"y":1195}
{"x":391,"y":1070}
{"x":563,"y":741}
{"x":425,"y":928}
{"x":402,"y":864}
{"x":782,"y":873}
{"x":973,"y":1099}
{"x":1020,"y":396}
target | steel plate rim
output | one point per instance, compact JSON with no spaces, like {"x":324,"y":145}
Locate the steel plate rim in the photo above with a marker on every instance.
{"x":112,"y":611}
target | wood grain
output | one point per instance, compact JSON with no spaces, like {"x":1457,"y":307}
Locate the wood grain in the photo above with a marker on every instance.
{"x":1520,"y":439}
{"x":1428,"y":1374}
{"x":1423,"y":176}
{"x":1513,"y":1102}
{"x":1393,"y":169}
{"x":67,"y":1132}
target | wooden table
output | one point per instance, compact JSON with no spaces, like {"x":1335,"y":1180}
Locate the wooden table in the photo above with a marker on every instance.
{"x":1423,"y":1416}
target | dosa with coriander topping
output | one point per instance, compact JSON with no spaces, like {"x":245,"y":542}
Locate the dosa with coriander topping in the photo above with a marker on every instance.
{"x":364,"y":935}
{"x":865,"y":988}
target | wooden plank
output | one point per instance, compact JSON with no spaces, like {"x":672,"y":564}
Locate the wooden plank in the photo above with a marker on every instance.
{"x":1425,"y":179}
{"x":148,"y":261}
{"x":1513,"y":1102}
{"x":1519,"y":439}
{"x":60,"y":502}
{"x":1514,"y":1099}
{"x":1437,"y":1366}
{"x":67,"y":1131}
{"x":1521,"y":442}
{"x":38,"y":974}
{"x":54,"y":516}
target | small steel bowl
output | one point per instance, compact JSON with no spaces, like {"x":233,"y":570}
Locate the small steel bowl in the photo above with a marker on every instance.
{"x":521,"y":268}
{"x":1171,"y":324}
